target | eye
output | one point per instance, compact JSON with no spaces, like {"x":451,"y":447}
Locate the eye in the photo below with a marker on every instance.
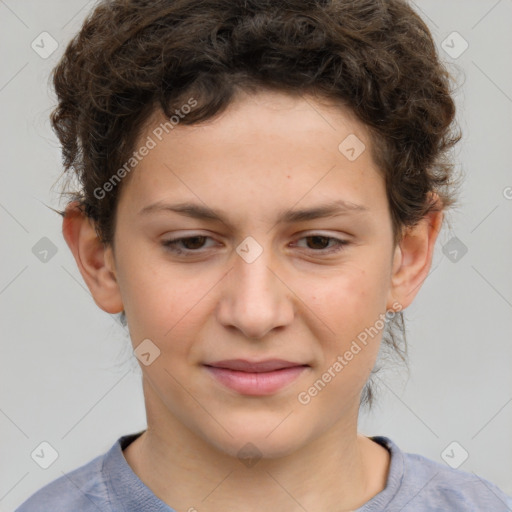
{"x":320,"y":242}
{"x":191,"y":243}
{"x":194,"y":244}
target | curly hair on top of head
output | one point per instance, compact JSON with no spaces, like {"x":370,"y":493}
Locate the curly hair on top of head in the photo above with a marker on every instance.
{"x":377,"y":58}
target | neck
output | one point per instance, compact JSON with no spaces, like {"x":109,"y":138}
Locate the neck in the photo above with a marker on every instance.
{"x":339,"y":470}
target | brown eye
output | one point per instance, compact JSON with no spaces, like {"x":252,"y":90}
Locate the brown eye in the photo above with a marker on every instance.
{"x":320,"y":244}
{"x":188,"y":244}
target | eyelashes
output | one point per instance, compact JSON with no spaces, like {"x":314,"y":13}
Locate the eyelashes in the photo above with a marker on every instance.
{"x":176,"y":245}
{"x":172,"y":245}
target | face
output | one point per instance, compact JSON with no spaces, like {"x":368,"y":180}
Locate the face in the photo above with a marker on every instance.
{"x":253,"y":280}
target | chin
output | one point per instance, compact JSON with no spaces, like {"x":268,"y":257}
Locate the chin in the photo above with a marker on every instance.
{"x":253,"y":437}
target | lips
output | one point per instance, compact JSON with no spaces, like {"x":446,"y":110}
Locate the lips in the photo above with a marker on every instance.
{"x":255,"y":378}
{"x":242,"y":365}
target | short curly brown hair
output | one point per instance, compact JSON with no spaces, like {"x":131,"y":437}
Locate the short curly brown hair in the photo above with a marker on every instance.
{"x":133,"y":58}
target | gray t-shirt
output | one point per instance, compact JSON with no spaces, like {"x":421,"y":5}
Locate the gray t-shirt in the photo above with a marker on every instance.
{"x":415,"y":484}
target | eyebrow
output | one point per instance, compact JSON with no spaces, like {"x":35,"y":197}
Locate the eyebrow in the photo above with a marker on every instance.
{"x":203,"y":212}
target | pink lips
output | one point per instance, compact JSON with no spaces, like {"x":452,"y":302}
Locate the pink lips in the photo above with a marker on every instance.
{"x":255,"y":378}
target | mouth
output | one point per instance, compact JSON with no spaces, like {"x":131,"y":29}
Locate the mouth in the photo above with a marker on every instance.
{"x":255,"y":378}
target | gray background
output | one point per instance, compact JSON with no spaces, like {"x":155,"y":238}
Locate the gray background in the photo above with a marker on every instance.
{"x":68,"y":376}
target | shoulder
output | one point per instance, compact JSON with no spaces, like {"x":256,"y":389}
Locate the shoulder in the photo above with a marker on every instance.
{"x":429,"y":485}
{"x":82,"y":489}
{"x":444,"y":487}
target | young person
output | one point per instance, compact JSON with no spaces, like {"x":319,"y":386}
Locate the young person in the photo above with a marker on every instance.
{"x":261,"y":184}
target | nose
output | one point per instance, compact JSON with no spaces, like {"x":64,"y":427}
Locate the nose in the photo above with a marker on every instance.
{"x":255,"y":299}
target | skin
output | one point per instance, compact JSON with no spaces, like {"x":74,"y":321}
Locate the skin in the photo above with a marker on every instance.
{"x":267,"y":152}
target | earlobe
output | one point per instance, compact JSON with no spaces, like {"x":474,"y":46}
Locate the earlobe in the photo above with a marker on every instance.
{"x":413,"y":258}
{"x":93,"y":258}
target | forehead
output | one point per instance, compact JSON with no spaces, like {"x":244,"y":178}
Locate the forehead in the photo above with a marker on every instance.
{"x":266,"y":151}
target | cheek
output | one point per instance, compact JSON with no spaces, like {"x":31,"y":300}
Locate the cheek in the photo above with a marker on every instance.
{"x":157,"y":297}
{"x":164,"y":300}
{"x":351,"y":304}
{"x":353,"y":296}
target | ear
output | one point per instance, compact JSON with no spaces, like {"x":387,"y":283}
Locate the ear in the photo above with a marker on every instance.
{"x":413,"y":258}
{"x":94,"y":260}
